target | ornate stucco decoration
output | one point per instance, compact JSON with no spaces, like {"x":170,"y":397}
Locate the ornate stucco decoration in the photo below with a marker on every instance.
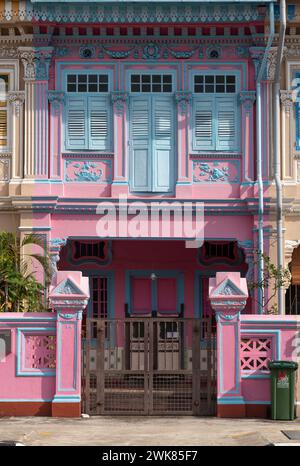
{"x":119,"y":100}
{"x":55,"y":245}
{"x":287,"y":102}
{"x":56,"y":98}
{"x":36,"y":62}
{"x":290,"y":245}
{"x":9,"y":52}
{"x":63,"y":12}
{"x":183,"y":99}
{"x":5,"y":168}
{"x":257,"y":54}
{"x":247,"y":99}
{"x":17,"y":99}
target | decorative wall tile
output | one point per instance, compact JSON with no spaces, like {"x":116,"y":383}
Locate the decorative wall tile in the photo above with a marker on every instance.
{"x":88,"y":171}
{"x":221,"y":171}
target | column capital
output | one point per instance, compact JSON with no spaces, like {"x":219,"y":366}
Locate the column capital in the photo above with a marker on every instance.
{"x":119,"y":100}
{"x":183,"y":99}
{"x":257,"y":54}
{"x":247,"y":99}
{"x":36,"y":61}
{"x":287,"y":102}
{"x":17,"y":99}
{"x":228,"y":295}
{"x":56,"y":98}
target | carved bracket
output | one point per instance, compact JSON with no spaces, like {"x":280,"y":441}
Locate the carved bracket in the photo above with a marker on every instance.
{"x":183,"y":99}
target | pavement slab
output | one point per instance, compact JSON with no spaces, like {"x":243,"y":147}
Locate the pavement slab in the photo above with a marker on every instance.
{"x":145,"y":431}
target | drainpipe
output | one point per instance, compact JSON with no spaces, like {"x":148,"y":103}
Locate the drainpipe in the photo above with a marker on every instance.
{"x":260,"y":271}
{"x":277,"y":167}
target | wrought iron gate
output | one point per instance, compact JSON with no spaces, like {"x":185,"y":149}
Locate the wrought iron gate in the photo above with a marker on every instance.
{"x":149,"y":366}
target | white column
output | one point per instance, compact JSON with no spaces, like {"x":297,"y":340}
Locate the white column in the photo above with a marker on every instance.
{"x":36,"y":71}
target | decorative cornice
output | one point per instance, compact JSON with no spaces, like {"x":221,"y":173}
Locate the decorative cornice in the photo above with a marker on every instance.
{"x":287,"y":101}
{"x":17,"y":99}
{"x":36,"y":62}
{"x":64,"y":12}
{"x":247,"y":99}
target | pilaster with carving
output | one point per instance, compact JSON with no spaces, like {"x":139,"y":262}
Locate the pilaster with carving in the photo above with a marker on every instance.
{"x":56,"y":99}
{"x":120,"y":103}
{"x":287,"y":131}
{"x":16,"y":99}
{"x":68,"y":297}
{"x":183,"y":101}
{"x":36,"y":62}
{"x":228,"y":296}
{"x":247,"y":99}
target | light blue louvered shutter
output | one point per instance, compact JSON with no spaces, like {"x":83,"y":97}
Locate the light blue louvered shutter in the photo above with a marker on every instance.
{"x":76,"y":123}
{"x":140,"y":147}
{"x":204,"y":124}
{"x":226,"y":118}
{"x":163,"y":147}
{"x":99,"y":117}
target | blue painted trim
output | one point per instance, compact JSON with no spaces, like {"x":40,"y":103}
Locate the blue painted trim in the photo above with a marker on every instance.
{"x":255,"y":376}
{"x":58,"y":362}
{"x":268,"y":332}
{"x":234,"y":400}
{"x":240,"y":401}
{"x":66,"y":399}
{"x":110,"y":291}
{"x":20,"y":356}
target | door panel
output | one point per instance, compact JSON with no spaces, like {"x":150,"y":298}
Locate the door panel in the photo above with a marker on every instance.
{"x":167,"y":295}
{"x":141,"y":296}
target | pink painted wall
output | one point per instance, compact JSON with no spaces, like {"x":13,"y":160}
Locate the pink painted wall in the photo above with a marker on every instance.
{"x":284,"y":333}
{"x":24,"y":387}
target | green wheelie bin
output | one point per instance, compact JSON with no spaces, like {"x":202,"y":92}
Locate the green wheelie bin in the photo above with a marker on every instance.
{"x":283,"y":389}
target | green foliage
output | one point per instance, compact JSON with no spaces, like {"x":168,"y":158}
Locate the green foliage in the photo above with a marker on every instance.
{"x":273,"y":278}
{"x":19,"y":289}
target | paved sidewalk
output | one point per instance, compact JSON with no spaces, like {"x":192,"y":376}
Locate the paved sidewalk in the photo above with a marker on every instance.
{"x":147,"y":431}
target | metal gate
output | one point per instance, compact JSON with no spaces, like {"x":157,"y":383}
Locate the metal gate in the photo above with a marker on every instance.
{"x":149,"y":366}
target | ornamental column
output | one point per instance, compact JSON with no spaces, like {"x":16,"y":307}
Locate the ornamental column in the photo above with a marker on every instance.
{"x":287,"y":150}
{"x":36,"y":63}
{"x":56,"y":100}
{"x":120,"y":176}
{"x":247,"y":99}
{"x":183,"y":100}
{"x":68,"y":297}
{"x":228,"y":296}
{"x":16,"y":100}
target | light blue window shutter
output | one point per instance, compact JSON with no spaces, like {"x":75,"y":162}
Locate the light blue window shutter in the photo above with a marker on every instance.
{"x":140,"y":136}
{"x":204,"y":124}
{"x":76,"y":123}
{"x":226,"y":116}
{"x":99,"y":117}
{"x":163,"y":147}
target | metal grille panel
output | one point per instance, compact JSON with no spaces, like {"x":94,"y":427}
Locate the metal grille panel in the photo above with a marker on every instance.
{"x":149,"y":366}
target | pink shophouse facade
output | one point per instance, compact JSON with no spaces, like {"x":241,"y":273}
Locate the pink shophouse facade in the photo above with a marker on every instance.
{"x":124,"y":103}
